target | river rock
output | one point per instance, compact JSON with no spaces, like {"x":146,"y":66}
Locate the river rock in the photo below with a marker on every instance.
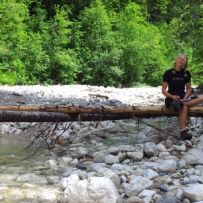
{"x":150,"y":174}
{"x":192,"y":157}
{"x":194,"y":192}
{"x":4,"y":129}
{"x":146,"y":193}
{"x":99,"y":157}
{"x":167,"y":199}
{"x":151,"y":149}
{"x":133,"y":199}
{"x":94,"y":189}
{"x":181,"y":147}
{"x":73,"y":179}
{"x":179,"y":194}
{"x":51,"y":163}
{"x":136,"y":185}
{"x":122,"y":167}
{"x":111,"y":175}
{"x":114,"y":150}
{"x":135,"y":156}
{"x":195,"y":179}
{"x":111,"y":159}
{"x":167,"y":166}
{"x":161,"y":147}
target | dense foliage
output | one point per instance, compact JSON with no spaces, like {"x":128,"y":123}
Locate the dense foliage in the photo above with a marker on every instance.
{"x":98,"y":42}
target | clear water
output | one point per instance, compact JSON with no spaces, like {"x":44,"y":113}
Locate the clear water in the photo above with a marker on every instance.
{"x":128,"y":135}
{"x":16,"y":160}
{"x":13,"y":151}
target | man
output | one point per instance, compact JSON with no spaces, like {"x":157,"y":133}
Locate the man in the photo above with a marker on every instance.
{"x":176,"y":86}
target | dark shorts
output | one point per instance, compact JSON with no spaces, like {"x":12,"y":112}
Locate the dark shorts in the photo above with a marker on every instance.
{"x":168,"y":102}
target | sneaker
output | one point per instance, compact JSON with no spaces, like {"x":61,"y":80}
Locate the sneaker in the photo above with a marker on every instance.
{"x":185,"y":135}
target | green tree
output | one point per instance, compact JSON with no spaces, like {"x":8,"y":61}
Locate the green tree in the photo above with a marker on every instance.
{"x":98,"y":52}
{"x":50,"y":60}
{"x":63,"y":60}
{"x":143,"y":57}
{"x":13,"y":37}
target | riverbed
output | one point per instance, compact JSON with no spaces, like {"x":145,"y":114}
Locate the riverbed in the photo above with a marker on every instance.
{"x":101,"y":161}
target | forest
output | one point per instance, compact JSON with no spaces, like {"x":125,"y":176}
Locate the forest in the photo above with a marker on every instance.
{"x":120,"y":43}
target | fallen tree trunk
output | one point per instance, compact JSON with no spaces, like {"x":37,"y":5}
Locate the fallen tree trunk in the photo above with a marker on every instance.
{"x":64,"y":114}
{"x":137,"y":111}
{"x":24,"y":116}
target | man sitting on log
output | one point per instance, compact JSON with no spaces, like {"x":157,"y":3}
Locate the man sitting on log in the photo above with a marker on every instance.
{"x":176,"y":86}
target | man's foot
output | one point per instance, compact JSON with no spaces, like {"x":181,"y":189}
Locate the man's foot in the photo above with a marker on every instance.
{"x":185,"y":135}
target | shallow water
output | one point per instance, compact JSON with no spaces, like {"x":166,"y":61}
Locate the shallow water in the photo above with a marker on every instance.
{"x":13,"y":151}
{"x":17,"y":161}
{"x":129,"y":131}
{"x":22,"y":171}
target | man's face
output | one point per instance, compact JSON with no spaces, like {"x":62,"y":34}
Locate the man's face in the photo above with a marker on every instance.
{"x":180,"y":61}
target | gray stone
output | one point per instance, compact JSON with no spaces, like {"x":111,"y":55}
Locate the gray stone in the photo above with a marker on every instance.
{"x":151,"y":149}
{"x":146,"y":193}
{"x":136,"y":185}
{"x":167,"y":166}
{"x":150,"y":174}
{"x":163,"y":155}
{"x":111,"y":159}
{"x":94,"y":189}
{"x":99,"y":156}
{"x":51,"y":163}
{"x":121,"y":156}
{"x":114,"y":150}
{"x":127,"y":148}
{"x":195,"y":179}
{"x":135,"y":156}
{"x":122,"y":167}
{"x":179,"y":194}
{"x":111,"y":175}
{"x":161,"y":147}
{"x":97,"y":166}
{"x":4,"y":129}
{"x":181,"y":148}
{"x":133,"y":199}
{"x":194,"y":192}
{"x":167,"y":199}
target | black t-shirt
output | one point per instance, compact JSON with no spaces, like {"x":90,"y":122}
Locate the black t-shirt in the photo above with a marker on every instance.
{"x":176,"y":81}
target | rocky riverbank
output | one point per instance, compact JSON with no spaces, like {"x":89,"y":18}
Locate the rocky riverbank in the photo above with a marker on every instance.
{"x":124,"y":161}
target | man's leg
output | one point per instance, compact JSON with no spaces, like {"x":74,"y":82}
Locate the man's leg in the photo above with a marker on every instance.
{"x":183,"y":118}
{"x":194,"y":101}
{"x":183,"y":123}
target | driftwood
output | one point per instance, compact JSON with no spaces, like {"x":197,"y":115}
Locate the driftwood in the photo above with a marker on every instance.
{"x":73,"y":113}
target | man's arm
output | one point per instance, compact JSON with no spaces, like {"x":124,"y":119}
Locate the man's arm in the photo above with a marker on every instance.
{"x":188,"y":90}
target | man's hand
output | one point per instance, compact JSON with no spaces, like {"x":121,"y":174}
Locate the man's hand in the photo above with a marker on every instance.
{"x":175,"y":97}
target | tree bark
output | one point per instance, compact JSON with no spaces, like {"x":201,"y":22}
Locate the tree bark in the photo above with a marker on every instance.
{"x":140,"y":111}
{"x":25,"y":116}
{"x":64,"y":114}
